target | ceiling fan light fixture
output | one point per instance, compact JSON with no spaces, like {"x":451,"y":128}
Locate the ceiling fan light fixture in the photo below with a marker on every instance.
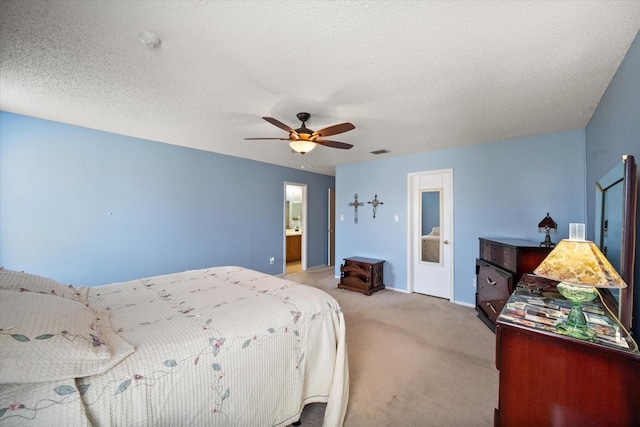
{"x":303,"y":139}
{"x":302,"y":146}
{"x":295,"y":135}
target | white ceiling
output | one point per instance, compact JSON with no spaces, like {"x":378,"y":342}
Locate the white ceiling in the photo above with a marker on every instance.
{"x":411,"y":76}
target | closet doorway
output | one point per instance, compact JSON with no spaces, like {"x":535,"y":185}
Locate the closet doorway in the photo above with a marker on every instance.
{"x":295,"y":227}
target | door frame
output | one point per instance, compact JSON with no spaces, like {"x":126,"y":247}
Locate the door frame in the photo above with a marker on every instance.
{"x":331,"y":255}
{"x":303,"y":249}
{"x":413,"y":187}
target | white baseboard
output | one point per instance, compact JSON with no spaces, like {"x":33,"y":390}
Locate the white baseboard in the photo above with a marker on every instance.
{"x":318,"y":266}
{"x":404,"y":291}
{"x":466,"y":304}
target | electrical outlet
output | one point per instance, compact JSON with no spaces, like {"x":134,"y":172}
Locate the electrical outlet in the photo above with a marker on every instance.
{"x":272,"y":260}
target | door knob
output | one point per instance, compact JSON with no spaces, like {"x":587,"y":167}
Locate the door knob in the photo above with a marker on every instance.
{"x":446,"y":242}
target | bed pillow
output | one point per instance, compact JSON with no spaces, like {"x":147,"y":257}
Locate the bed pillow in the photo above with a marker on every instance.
{"x":24,"y":282}
{"x":55,"y":403}
{"x":47,"y":338}
{"x":435,"y":231}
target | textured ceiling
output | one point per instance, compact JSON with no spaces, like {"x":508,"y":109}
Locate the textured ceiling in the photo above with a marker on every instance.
{"x":411,"y":76}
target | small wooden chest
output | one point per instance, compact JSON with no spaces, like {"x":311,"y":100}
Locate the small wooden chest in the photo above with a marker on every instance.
{"x":364,"y":275}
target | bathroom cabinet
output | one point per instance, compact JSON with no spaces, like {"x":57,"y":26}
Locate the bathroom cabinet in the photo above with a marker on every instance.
{"x":294,"y":248}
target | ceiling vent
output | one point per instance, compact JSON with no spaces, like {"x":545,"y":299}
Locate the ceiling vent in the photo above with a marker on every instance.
{"x":383,"y":151}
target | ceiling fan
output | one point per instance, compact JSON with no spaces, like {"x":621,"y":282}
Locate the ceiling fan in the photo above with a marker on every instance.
{"x":304,"y":139}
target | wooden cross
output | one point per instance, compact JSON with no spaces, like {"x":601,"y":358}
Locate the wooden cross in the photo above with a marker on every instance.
{"x":355,"y":205}
{"x":375,"y":202}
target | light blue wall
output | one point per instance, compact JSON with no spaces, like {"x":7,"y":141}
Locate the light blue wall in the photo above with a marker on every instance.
{"x":501,"y":189}
{"x":173,"y":208}
{"x":614,"y":130}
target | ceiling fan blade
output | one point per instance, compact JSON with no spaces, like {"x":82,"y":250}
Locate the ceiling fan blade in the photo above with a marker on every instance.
{"x":333,"y":144}
{"x":251,"y":139}
{"x":279,"y":124}
{"x":334,"y":130}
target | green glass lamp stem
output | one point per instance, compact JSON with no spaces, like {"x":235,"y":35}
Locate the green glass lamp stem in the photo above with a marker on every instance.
{"x":576,"y":323}
{"x":576,"y":316}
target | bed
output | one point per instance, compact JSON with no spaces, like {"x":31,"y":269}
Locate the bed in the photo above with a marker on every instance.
{"x":431,"y":246}
{"x":223,"y":346}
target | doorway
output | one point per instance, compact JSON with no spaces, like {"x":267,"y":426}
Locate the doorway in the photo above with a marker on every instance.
{"x":430,"y":233}
{"x":295,"y":227}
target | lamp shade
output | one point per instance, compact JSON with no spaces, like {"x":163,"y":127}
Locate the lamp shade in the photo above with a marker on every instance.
{"x":302,"y":145}
{"x":579,"y":262}
{"x":547,"y":224}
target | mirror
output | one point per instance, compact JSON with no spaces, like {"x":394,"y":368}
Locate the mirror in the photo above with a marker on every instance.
{"x":615,"y":231}
{"x":430,"y":225}
{"x":295,"y":214}
{"x":293,"y":207}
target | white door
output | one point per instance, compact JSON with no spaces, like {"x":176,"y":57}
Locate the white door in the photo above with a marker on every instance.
{"x":430,"y":233}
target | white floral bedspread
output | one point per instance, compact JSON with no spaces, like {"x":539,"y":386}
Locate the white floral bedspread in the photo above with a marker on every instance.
{"x":224,"y":346}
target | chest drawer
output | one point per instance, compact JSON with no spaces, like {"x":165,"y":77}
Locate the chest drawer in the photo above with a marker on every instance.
{"x":502,"y":263}
{"x":494,"y":287}
{"x":501,"y":255}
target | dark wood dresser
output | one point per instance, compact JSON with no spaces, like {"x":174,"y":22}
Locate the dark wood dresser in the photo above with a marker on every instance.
{"x":548,"y":379}
{"x":501,"y":264}
{"x":364,"y":275}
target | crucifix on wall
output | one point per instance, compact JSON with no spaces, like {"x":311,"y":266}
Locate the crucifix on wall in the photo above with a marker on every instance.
{"x":355,"y":205}
{"x":375,"y":202}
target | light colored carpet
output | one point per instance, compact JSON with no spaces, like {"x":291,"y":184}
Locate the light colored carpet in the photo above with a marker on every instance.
{"x":413,"y":359}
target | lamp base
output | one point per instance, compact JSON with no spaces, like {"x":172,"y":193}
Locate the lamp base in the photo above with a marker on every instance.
{"x":576,"y":324}
{"x":547,"y":241}
{"x":579,"y":332}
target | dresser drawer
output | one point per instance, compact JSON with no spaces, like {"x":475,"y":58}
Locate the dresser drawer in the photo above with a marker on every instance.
{"x":505,"y":257}
{"x":502,"y":263}
{"x":355,"y":282}
{"x":494,"y":287}
{"x":501,"y":255}
{"x":515,"y":255}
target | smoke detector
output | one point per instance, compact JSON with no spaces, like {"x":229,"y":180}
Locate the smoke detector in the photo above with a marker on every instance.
{"x":152,"y":40}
